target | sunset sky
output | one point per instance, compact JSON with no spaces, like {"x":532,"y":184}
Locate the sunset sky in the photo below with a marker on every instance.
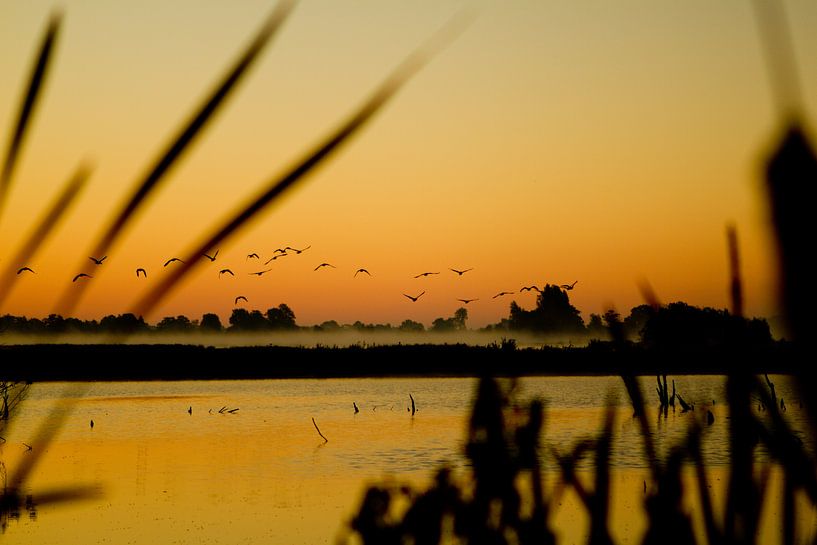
{"x":551,"y":142}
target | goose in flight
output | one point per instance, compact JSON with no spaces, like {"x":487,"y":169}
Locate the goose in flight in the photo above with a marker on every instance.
{"x":171,"y":260}
{"x":280,"y":250}
{"x":252,"y":256}
{"x":225,"y":271}
{"x":322,"y":264}
{"x":528,"y":288}
{"x":143,"y":271}
{"x":461,"y":272}
{"x":23,"y":269}
{"x":466,"y":301}
{"x":362,"y":271}
{"x":297,"y":251}
{"x":413,"y":299}
{"x":81,"y":275}
{"x":260,"y":273}
{"x":98,"y":261}
{"x":239,"y":298}
{"x":568,"y":287}
{"x":501,"y":293}
{"x":426,"y":274}
{"x":273,"y":258}
{"x":211,"y":258}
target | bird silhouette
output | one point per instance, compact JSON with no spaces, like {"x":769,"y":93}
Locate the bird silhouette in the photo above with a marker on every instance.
{"x":171,"y":260}
{"x":252,"y":256}
{"x":239,"y":298}
{"x":260,"y":273}
{"x":322,"y":264}
{"x":501,"y":293}
{"x":355,"y":406}
{"x":425,"y":274}
{"x":98,"y":261}
{"x":225,"y":271}
{"x":466,"y":301}
{"x":568,"y":286}
{"x":143,"y":271}
{"x":273,"y":258}
{"x":413,"y":299}
{"x":25,"y":269}
{"x":297,"y":251}
{"x":190,"y":410}
{"x":362,"y":271}
{"x":461,"y":272}
{"x":211,"y":258}
{"x":81,"y":275}
{"x":529,"y":288}
{"x":280,"y":250}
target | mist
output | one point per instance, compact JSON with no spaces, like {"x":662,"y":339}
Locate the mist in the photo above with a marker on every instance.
{"x":308,"y":338}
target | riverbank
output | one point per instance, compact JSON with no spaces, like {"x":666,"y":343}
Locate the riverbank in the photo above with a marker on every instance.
{"x":90,"y":362}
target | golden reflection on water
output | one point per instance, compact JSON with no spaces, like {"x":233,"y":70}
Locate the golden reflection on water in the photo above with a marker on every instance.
{"x":263,"y":475}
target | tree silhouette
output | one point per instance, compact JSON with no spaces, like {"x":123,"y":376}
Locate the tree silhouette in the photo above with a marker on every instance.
{"x":679,"y":326}
{"x":177,"y":324}
{"x":210,"y":322}
{"x":243,"y":320}
{"x":553,"y":314}
{"x":455,"y":323}
{"x":123,"y":323}
{"x":281,"y":317}
{"x":411,"y":325}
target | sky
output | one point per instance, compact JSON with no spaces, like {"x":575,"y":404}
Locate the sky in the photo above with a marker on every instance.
{"x":551,"y":142}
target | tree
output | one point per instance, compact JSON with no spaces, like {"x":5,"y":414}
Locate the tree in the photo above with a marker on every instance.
{"x":553,"y":314}
{"x":243,"y":320}
{"x":123,"y":323}
{"x":177,"y":324}
{"x":281,"y":317}
{"x":411,"y":325}
{"x":455,"y":323}
{"x":210,"y":322}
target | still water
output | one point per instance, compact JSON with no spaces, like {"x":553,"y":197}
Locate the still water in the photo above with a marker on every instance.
{"x":169,"y":467}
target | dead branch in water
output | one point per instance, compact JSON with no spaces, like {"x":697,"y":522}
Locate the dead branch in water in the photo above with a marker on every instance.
{"x":325,"y":440}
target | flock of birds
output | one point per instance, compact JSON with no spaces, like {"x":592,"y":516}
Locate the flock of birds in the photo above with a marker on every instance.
{"x":289,"y":250}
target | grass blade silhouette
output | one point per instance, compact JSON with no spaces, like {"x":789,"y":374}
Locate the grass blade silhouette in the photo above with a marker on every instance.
{"x":44,"y":228}
{"x":27,"y":107}
{"x":325,"y":148}
{"x":156,"y":172}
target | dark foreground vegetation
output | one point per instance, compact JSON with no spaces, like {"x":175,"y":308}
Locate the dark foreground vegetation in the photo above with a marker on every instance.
{"x":81,"y":362}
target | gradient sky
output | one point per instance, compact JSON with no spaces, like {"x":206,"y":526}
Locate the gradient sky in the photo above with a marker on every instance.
{"x":552,"y":142}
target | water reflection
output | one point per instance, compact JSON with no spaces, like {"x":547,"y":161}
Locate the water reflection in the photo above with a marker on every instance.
{"x":262,"y":474}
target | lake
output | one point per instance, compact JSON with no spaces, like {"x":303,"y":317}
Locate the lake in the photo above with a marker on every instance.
{"x":262,"y":474}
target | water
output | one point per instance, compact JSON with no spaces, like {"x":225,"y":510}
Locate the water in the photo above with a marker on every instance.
{"x":262,"y":474}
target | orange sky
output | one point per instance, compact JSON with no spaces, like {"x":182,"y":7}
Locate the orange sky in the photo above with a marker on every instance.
{"x":551,"y":142}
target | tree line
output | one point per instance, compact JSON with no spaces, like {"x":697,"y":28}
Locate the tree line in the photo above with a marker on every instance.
{"x":674,"y":325}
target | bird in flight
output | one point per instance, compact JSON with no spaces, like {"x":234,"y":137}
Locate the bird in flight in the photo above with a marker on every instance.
{"x":568,"y":286}
{"x":297,"y":251}
{"x":227,"y":271}
{"x":253,"y":256}
{"x":426,"y":274}
{"x":211,"y":258}
{"x":466,"y":301}
{"x":239,"y":298}
{"x":98,"y":261}
{"x":280,"y":250}
{"x":322,"y":264}
{"x":362,"y":271}
{"x":501,"y":293}
{"x":273,"y":258}
{"x":171,"y":260}
{"x":143,"y":271}
{"x":81,"y":275}
{"x":461,"y":272}
{"x":413,"y":299}
{"x":260,"y":273}
{"x":29,"y":269}
{"x":528,"y":288}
